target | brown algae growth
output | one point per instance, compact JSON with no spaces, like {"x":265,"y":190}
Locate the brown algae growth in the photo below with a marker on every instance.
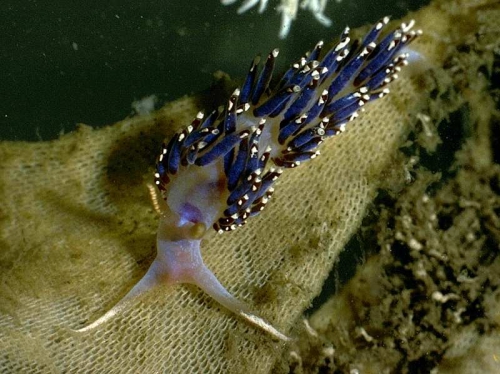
{"x":429,"y":300}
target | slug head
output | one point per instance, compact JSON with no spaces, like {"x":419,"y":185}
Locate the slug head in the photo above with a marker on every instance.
{"x":194,"y":200}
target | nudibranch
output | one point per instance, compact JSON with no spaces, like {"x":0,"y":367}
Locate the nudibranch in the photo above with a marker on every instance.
{"x":220,"y":170}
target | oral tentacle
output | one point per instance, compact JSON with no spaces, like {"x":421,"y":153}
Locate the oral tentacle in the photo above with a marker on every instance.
{"x":151,"y":279}
{"x":208,"y":282}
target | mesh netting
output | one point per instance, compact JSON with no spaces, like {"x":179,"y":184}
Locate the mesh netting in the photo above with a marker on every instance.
{"x":78,"y":230}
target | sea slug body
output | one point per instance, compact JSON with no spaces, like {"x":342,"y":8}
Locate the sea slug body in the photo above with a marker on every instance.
{"x":220,"y":170}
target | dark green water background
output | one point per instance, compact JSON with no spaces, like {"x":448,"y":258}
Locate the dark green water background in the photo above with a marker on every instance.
{"x":65,"y":62}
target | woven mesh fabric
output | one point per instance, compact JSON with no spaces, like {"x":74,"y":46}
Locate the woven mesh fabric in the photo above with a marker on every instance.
{"x":77,"y":230}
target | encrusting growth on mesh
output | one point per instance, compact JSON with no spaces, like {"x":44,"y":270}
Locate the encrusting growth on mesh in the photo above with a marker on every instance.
{"x":220,"y":170}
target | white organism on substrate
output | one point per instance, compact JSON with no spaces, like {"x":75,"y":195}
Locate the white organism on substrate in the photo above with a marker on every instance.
{"x":288,"y":10}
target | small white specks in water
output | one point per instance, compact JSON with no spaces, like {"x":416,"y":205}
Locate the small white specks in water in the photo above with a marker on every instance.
{"x":75,"y":46}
